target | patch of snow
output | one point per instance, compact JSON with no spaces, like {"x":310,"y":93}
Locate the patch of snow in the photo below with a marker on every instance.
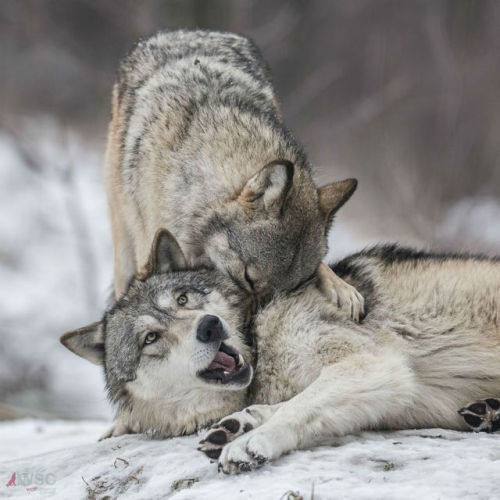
{"x":413,"y":464}
{"x":55,"y":268}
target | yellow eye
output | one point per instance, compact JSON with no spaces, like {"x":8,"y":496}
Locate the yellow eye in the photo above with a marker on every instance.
{"x":182,"y":300}
{"x":151,"y":337}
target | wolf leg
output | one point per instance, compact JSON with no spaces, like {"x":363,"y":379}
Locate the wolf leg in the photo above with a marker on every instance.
{"x":340,"y":293}
{"x":482,"y":415}
{"x":119,"y":428}
{"x":124,"y":257}
{"x":233,"y":426}
{"x":352,"y":395}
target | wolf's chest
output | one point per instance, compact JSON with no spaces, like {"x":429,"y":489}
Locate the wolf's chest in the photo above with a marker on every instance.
{"x":283,"y":370}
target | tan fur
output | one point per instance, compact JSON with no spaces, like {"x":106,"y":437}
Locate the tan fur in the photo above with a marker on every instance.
{"x":429,"y":345}
{"x":117,"y":204}
{"x":205,"y":158}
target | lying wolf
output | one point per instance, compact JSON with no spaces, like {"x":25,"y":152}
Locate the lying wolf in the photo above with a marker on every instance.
{"x":196,"y":144}
{"x":176,"y":360}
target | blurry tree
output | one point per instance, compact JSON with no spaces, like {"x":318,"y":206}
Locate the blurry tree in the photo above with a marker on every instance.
{"x":405,"y":95}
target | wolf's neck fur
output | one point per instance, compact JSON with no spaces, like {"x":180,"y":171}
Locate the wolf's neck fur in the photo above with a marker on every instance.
{"x":184,"y":415}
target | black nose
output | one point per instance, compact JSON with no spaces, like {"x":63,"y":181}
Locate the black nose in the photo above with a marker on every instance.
{"x":210,"y":329}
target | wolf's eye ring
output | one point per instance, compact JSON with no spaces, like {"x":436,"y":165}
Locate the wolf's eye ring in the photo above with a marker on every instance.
{"x":182,"y":300}
{"x":151,"y":337}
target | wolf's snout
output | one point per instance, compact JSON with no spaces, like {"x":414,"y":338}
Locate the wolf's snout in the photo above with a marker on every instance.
{"x":210,"y":329}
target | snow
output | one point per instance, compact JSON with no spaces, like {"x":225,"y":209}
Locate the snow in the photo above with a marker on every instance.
{"x":55,"y":268}
{"x":413,"y":464}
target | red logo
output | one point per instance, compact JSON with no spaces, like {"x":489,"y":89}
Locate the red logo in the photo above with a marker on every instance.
{"x":12,"y":480}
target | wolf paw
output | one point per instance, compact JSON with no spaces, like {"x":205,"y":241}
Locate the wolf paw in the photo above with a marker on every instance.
{"x":245,"y":454}
{"x":483,"y":415}
{"x":350,"y":301}
{"x":340,"y":293}
{"x":225,"y":431}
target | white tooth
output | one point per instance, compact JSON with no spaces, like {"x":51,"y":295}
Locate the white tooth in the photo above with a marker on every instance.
{"x":226,"y":373}
{"x":240,"y":360}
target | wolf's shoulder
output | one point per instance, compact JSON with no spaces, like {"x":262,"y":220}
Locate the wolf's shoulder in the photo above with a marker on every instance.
{"x":394,"y":254}
{"x":186,"y":40}
{"x":393,"y":267}
{"x":169,"y":46}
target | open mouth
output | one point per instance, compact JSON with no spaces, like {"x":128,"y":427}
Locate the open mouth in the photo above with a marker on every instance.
{"x":227,"y":366}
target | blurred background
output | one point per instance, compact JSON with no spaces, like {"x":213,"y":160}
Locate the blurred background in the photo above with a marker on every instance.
{"x":405,"y":96}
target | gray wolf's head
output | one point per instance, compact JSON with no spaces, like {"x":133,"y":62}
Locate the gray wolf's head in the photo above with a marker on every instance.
{"x":172,"y":347}
{"x":273,"y":236}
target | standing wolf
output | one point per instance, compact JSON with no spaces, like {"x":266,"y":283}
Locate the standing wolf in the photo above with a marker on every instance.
{"x":196,"y":145}
{"x":175,"y":358}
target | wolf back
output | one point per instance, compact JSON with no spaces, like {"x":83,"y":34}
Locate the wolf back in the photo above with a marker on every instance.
{"x":196,"y":145}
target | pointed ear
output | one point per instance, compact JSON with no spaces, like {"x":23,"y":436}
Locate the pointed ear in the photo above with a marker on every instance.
{"x":333,"y":196}
{"x":86,"y":342}
{"x":166,"y":254}
{"x":268,"y":188}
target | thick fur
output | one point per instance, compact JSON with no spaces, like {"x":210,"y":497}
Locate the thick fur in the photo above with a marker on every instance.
{"x":196,"y":145}
{"x":429,"y":345}
{"x":156,"y":387}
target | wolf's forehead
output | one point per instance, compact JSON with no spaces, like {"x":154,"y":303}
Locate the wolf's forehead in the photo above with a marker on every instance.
{"x":146,"y":321}
{"x":163,"y":299}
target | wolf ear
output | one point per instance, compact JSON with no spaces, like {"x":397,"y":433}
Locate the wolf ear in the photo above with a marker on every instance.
{"x":166,"y":254}
{"x":268,"y":188}
{"x":333,"y":196}
{"x":86,"y":342}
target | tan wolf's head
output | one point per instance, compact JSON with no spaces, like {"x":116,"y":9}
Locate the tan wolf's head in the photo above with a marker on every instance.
{"x":273,"y":235}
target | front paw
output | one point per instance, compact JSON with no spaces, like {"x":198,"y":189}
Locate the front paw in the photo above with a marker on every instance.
{"x":482,"y":416}
{"x":225,"y":431}
{"x":247,"y":453}
{"x":350,"y":301}
{"x":344,"y":296}
{"x":119,"y":428}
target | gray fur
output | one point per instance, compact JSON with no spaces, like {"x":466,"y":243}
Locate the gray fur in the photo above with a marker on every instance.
{"x":429,"y":345}
{"x":197,"y":145}
{"x":147,"y":398}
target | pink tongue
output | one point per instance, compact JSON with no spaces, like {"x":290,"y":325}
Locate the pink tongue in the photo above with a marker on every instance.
{"x":224,"y":361}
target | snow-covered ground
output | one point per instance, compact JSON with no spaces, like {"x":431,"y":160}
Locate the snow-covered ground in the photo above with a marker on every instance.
{"x":62,"y":460}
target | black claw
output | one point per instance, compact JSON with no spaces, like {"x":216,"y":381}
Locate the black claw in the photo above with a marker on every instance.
{"x":495,"y":425}
{"x":214,"y":453}
{"x":260,"y":459}
{"x":217,"y":437}
{"x":493,"y":403}
{"x":244,"y":466}
{"x":232,"y":425}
